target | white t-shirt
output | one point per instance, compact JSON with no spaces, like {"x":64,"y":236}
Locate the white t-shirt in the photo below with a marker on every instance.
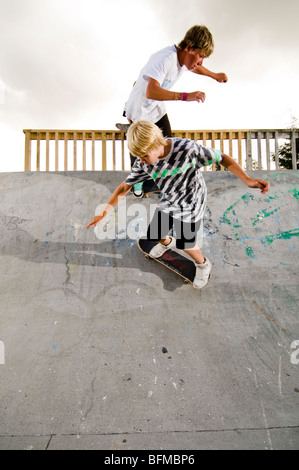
{"x":164,"y":67}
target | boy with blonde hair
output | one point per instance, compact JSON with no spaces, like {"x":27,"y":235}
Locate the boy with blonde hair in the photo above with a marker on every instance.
{"x":163,"y":69}
{"x":175,"y":166}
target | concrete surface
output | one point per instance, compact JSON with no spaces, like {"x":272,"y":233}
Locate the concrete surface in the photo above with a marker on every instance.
{"x":85,"y":321}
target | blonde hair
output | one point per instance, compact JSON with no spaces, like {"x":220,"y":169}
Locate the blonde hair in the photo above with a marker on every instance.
{"x":143,"y":137}
{"x":198,"y":38}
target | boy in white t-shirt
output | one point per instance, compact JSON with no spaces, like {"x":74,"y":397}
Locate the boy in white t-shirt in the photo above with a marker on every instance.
{"x":162,"y":71}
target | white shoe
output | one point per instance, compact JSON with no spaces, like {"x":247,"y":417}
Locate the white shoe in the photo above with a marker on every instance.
{"x":160,"y":249}
{"x":202,"y":274}
{"x":137,"y":190}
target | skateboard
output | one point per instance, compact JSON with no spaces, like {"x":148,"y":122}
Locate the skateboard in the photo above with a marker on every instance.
{"x":173,"y":260}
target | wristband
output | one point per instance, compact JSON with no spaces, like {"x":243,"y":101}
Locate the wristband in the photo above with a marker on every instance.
{"x":184,"y":96}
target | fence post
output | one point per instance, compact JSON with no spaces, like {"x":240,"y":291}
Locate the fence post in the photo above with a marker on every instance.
{"x":38,"y":152}
{"x":240,"y":159}
{"x":47,"y":151}
{"x":27,"y":162}
{"x":259,"y":150}
{"x":276,"y":151}
{"x":93,"y":151}
{"x":268,"y":151}
{"x":293,"y":147}
{"x":248,"y":151}
{"x":104,"y":157}
{"x":56,"y":150}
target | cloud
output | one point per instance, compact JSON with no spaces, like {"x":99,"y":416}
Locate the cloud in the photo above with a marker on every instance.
{"x":261,"y":32}
{"x":48,"y":66}
{"x":71,"y":63}
{"x":274,"y":22}
{"x":65,"y":59}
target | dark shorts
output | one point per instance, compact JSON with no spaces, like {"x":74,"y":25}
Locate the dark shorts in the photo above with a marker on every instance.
{"x":165,"y":127}
{"x":162,"y":224}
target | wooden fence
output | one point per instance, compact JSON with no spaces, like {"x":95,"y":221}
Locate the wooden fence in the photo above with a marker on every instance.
{"x":73,"y":150}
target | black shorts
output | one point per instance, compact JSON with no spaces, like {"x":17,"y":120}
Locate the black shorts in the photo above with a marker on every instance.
{"x":162,"y":224}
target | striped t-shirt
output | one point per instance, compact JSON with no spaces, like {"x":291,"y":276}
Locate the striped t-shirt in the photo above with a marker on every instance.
{"x":179,"y":178}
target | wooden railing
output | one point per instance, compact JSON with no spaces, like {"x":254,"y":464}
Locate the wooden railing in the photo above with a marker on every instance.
{"x":72,"y":150}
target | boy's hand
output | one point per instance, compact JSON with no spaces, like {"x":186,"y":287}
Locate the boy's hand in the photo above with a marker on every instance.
{"x":198,"y":96}
{"x":263,"y":185}
{"x":95,"y":221}
{"x":221,"y":77}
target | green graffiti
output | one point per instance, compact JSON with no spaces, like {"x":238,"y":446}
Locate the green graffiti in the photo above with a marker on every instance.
{"x":270,"y":198}
{"x":281,"y":236}
{"x":225,"y":218}
{"x":247,"y":198}
{"x":230,"y":217}
{"x":295,"y":193}
{"x":268,"y":239}
{"x":260,"y":216}
{"x":249,"y":251}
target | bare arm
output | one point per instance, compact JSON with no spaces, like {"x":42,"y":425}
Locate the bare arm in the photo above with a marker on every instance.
{"x":121,"y":191}
{"x":219,"y":77}
{"x":231,"y":165}
{"x":155,"y":92}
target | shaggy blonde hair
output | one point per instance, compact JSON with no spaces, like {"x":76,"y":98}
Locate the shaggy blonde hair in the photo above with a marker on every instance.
{"x":198,"y":38}
{"x":143,"y":137}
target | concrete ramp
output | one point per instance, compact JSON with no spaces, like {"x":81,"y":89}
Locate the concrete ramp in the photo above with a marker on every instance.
{"x":101,"y":348}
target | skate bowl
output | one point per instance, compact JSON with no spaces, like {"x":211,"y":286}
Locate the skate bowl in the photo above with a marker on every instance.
{"x":103,"y":349}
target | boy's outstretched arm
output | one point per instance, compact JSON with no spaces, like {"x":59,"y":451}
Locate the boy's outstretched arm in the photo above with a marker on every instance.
{"x":155,"y":92}
{"x":121,"y":191}
{"x":219,"y":77}
{"x":231,"y":165}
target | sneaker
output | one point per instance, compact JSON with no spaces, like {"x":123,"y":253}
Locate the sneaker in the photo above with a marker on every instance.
{"x":137,"y":190}
{"x":202,"y":274}
{"x":160,"y":249}
{"x":122,"y":127}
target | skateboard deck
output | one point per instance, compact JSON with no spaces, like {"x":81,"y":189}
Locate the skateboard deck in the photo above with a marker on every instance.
{"x":173,"y":260}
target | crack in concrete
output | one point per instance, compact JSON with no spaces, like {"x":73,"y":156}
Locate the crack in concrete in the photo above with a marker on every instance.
{"x":68,"y":274}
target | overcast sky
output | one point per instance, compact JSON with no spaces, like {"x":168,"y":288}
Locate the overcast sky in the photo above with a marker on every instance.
{"x":70,"y":64}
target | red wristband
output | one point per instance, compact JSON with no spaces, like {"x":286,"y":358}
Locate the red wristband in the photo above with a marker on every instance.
{"x":184,"y":96}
